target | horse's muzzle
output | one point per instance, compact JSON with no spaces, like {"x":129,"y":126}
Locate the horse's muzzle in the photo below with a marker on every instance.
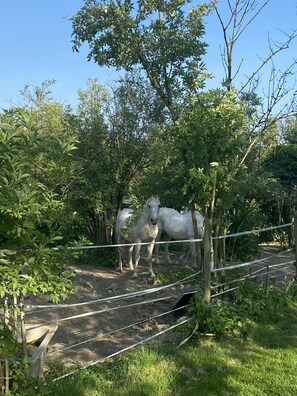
{"x":154,"y":221}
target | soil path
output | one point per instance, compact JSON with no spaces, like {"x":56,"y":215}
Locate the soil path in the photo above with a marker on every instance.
{"x":81,"y":340}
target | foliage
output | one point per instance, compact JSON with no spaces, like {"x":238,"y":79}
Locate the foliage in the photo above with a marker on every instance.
{"x":30,"y":206}
{"x":246,"y":215}
{"x":29,"y":211}
{"x":167,"y":277}
{"x":281,"y":162}
{"x":160,"y":36}
{"x":113,"y":135}
{"x":251,"y":303}
{"x":7,"y":340}
{"x":213,"y":129}
{"x":214,"y":318}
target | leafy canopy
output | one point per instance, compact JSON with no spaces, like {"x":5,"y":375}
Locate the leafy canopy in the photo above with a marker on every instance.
{"x":160,"y":36}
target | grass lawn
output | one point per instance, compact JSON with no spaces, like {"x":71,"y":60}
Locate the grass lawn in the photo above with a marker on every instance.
{"x":262,"y":363}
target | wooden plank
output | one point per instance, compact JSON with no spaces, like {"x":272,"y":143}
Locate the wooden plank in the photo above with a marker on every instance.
{"x":36,"y":361}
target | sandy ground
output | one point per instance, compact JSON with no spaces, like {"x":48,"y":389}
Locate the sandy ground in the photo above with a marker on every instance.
{"x":101,"y":333}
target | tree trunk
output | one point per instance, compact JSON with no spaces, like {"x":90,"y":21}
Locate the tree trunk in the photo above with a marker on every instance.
{"x":295,"y":240}
{"x":207,"y":255}
{"x":197,"y":245}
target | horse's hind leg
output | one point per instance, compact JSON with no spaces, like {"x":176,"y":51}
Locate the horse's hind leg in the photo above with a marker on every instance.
{"x":166,"y":250}
{"x":120,"y":267}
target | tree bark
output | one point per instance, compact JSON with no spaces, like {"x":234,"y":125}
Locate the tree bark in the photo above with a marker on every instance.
{"x":197,"y":245}
{"x":207,"y":256}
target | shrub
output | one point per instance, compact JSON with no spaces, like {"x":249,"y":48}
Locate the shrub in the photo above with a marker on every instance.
{"x":251,"y":302}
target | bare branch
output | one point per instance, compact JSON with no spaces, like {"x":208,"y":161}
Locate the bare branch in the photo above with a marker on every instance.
{"x":275,"y":49}
{"x":242,"y":14}
{"x":277,"y":90}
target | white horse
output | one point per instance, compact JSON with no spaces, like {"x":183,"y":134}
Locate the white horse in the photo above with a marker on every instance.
{"x":178,"y":226}
{"x":144,"y":230}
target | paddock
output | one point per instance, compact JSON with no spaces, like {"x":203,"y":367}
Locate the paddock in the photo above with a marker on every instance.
{"x":109,"y":313}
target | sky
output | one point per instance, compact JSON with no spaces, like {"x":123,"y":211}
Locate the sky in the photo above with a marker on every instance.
{"x":35,"y":45}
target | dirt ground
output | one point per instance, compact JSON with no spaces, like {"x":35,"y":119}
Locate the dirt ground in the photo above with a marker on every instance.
{"x":81,"y":340}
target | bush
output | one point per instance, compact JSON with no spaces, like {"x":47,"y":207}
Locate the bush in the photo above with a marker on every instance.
{"x":251,"y":303}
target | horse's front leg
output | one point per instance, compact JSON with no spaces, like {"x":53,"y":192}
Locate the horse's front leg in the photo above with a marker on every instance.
{"x":137,"y":258}
{"x":120,"y":267}
{"x":150,"y":249}
{"x":157,"y":246}
{"x":131,"y":257}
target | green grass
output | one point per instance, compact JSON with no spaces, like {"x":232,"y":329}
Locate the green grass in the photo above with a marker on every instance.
{"x":263,"y":363}
{"x":168,"y":277}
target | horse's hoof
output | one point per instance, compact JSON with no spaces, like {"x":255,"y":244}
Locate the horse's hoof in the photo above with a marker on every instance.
{"x":152,"y":275}
{"x":134,"y":275}
{"x":120,"y":270}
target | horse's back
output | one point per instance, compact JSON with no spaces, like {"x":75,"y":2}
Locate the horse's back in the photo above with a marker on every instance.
{"x":164,"y":214}
{"x":176,"y":226}
{"x":180,"y":226}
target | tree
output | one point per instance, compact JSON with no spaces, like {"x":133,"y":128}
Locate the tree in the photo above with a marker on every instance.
{"x":114,"y":132}
{"x":29,"y":226}
{"x":157,"y":35}
{"x":241,"y":15}
{"x":36,"y":147}
{"x":281,"y":163}
{"x":201,"y":160}
{"x":279,"y":95}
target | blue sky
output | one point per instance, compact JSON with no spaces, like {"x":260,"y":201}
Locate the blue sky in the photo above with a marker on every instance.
{"x":35,"y":45}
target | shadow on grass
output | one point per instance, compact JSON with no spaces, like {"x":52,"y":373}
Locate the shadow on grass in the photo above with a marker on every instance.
{"x":277,"y":329}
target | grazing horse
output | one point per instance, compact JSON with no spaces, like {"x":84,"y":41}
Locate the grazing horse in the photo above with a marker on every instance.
{"x":129,"y":229}
{"x":178,"y":226}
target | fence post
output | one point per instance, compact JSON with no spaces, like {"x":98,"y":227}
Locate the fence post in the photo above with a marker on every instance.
{"x":197,"y":246}
{"x":207,"y":257}
{"x":266,"y":280}
{"x":295,"y":240}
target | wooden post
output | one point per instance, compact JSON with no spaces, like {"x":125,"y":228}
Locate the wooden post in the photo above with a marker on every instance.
{"x":207,"y":257}
{"x":295,"y":241}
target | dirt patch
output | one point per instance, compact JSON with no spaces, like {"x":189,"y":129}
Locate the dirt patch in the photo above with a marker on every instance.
{"x":113,"y":324}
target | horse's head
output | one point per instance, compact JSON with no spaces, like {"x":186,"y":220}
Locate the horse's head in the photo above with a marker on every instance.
{"x":153,"y":206}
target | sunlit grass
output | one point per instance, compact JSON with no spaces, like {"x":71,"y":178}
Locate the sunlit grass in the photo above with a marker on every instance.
{"x":263,"y":363}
